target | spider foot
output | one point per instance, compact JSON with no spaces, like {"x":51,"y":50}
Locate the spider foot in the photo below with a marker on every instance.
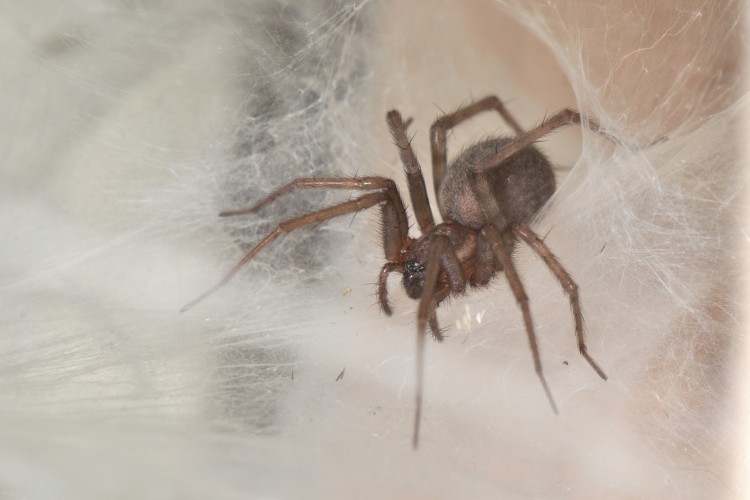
{"x":593,"y":364}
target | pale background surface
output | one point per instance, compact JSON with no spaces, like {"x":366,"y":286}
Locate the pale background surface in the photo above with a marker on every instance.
{"x":127,"y":126}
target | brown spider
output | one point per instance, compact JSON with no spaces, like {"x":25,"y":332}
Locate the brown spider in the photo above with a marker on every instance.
{"x":486,"y":198}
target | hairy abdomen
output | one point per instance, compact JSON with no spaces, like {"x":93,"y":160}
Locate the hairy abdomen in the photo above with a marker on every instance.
{"x":521,"y":184}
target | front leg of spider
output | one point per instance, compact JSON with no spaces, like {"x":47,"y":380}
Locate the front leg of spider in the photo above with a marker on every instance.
{"x":441,"y":257}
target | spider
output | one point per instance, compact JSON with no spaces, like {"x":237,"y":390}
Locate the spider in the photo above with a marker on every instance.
{"x":487,"y":197}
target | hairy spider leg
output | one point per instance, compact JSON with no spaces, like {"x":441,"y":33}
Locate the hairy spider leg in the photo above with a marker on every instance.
{"x":566,"y":282}
{"x":417,"y":190}
{"x":395,"y":223}
{"x":385,"y":271}
{"x":495,"y":240}
{"x":560,"y":119}
{"x":439,"y":131}
{"x":439,"y":296}
{"x":396,"y":232}
{"x":442,"y":256}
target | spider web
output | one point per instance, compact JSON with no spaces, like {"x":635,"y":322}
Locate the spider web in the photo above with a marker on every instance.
{"x":128,"y":126}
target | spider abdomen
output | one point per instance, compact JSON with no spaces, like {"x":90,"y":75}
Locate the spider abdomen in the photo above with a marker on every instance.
{"x":521,"y":184}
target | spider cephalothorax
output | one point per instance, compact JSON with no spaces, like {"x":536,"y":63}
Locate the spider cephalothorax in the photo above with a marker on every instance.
{"x":487,"y":197}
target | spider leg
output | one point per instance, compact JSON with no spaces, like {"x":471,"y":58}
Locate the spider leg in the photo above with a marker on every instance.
{"x":347,"y":207}
{"x":417,"y":190}
{"x":388,"y":268}
{"x":485,"y":263}
{"x":426,"y":307}
{"x":435,"y":330}
{"x":439,"y":132}
{"x":442,"y":256}
{"x":395,"y":221}
{"x":398,"y":226}
{"x":356,"y":183}
{"x":495,"y":240}
{"x":567,"y":283}
{"x":560,"y":119}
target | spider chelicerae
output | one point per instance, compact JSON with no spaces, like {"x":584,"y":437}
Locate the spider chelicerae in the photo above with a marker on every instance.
{"x":487,"y":197}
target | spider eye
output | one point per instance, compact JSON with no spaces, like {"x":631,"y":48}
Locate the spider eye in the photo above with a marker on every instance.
{"x":412,"y":266}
